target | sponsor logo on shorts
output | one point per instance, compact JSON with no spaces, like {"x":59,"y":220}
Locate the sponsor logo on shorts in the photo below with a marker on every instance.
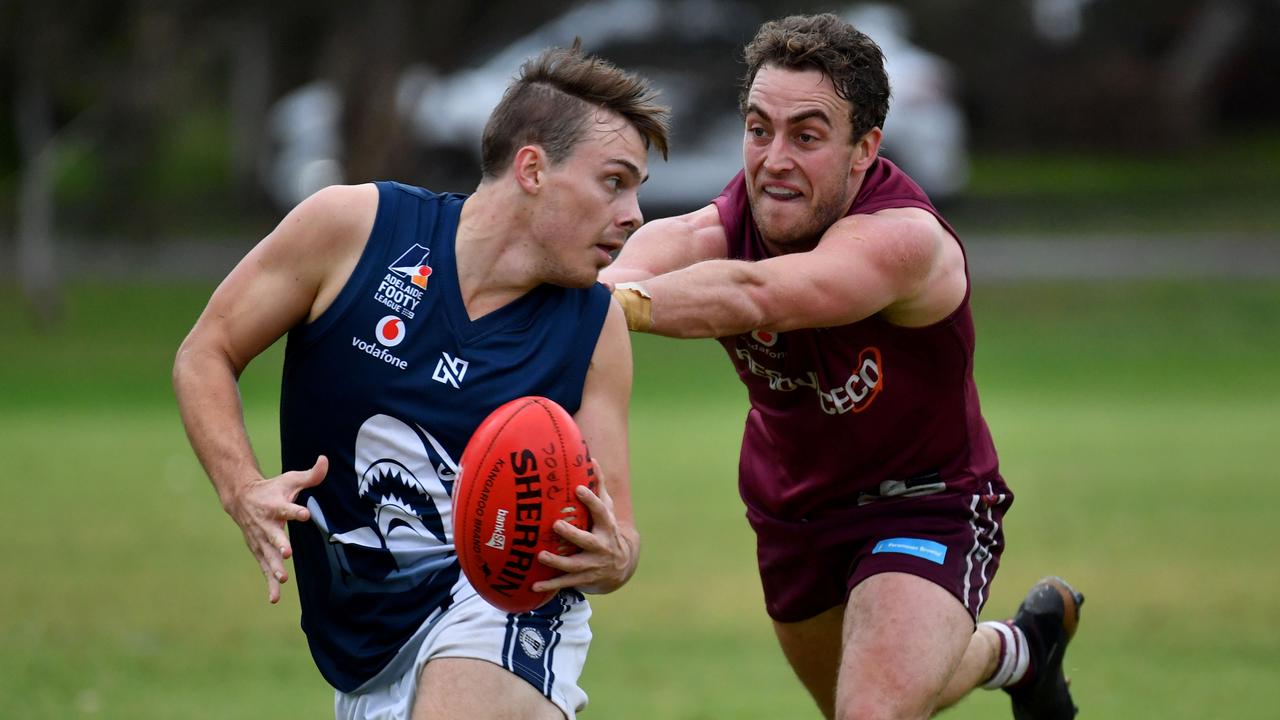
{"x":532,"y":643}
{"x":926,"y":549}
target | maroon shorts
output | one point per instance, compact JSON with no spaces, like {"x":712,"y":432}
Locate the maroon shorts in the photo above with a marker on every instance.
{"x":950,"y":539}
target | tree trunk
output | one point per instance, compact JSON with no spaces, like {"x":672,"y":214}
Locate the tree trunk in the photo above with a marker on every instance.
{"x":1193,"y":63}
{"x":36,"y":264}
{"x":250,"y":45}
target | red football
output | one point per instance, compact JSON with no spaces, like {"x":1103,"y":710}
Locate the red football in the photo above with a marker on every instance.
{"x":518,"y":475}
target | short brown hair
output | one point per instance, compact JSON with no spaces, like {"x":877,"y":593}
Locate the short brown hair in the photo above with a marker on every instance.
{"x":553,"y":100}
{"x":827,"y":43}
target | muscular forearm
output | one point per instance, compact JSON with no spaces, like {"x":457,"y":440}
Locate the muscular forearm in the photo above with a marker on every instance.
{"x":209,"y":400}
{"x":615,"y":274}
{"x":709,"y":299}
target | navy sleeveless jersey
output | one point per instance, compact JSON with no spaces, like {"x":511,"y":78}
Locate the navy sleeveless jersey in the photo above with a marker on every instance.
{"x":389,"y":383}
{"x":846,"y":415}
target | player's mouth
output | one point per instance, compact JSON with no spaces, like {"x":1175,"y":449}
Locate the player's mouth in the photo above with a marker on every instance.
{"x":606,"y":251}
{"x":780,"y":192}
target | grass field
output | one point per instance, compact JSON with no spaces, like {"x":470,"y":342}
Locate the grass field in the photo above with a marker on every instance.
{"x":1138,"y":424}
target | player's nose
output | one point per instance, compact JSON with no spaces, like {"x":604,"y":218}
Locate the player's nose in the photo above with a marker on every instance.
{"x":631,"y":218}
{"x":777,"y":157}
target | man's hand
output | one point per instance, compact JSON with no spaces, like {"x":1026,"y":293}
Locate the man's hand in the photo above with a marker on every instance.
{"x":262,"y":507}
{"x":608,"y":556}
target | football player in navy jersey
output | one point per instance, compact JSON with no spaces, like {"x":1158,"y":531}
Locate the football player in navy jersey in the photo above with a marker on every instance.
{"x":410,"y":316}
{"x":869,"y":475}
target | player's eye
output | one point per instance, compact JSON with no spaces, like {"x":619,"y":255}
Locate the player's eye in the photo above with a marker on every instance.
{"x":614,"y":182}
{"x":806,"y":138}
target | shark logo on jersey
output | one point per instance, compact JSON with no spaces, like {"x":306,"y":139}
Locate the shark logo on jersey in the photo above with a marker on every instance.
{"x":404,"y":481}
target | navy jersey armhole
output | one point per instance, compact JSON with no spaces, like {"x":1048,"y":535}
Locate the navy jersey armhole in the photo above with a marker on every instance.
{"x":598,"y":300}
{"x":383,"y":225}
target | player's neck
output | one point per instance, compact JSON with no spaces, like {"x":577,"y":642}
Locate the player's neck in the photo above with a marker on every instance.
{"x":493,"y":253}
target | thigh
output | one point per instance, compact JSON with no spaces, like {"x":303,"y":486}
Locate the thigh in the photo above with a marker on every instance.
{"x":478,"y":690}
{"x":813,"y":648}
{"x":904,"y":636}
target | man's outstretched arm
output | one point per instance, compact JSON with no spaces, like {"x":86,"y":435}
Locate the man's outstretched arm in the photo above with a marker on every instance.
{"x":900,"y":263}
{"x":662,"y":246}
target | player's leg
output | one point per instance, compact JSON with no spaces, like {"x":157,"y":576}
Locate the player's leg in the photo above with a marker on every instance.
{"x":478,"y":690}
{"x":522,"y":666}
{"x":1024,"y":655}
{"x":976,"y":667}
{"x":475,"y":661}
{"x":813,"y":648}
{"x":904,"y":637}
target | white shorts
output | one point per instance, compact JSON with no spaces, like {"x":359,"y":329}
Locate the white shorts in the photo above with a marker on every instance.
{"x":547,"y":648}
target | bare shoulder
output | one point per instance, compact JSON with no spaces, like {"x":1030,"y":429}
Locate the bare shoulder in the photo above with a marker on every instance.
{"x":335,"y":216}
{"x":320,"y":241}
{"x":914,"y":254}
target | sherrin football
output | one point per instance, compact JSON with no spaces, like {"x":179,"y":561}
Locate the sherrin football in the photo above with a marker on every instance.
{"x":519,"y":474}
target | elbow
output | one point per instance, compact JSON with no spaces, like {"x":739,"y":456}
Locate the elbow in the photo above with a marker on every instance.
{"x":197,"y":361}
{"x":748,"y":307}
{"x":181,"y":360}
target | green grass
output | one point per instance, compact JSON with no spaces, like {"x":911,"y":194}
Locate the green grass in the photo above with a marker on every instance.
{"x":1136,"y":422}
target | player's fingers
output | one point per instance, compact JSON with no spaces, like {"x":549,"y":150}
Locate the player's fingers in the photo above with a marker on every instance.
{"x":601,"y":507}
{"x":568,"y":580}
{"x":311,"y":477}
{"x":270,"y":548}
{"x":563,"y":563}
{"x":286,"y":550}
{"x":273,"y":590}
{"x":319,"y":470}
{"x":273,"y":581}
{"x":577,"y":536}
{"x":275,"y":564}
{"x":292,"y":512}
{"x":602,"y":517}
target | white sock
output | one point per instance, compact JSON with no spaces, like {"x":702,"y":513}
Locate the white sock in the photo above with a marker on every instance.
{"x":1014,"y":657}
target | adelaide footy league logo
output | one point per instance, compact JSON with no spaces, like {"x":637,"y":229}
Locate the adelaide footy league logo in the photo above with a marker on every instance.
{"x":390,"y":331}
{"x":413,"y":265}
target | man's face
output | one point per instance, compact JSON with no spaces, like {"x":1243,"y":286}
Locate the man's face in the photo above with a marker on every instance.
{"x":798,"y":156}
{"x":591,"y":203}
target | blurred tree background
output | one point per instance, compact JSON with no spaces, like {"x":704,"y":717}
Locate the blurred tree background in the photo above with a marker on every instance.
{"x":142,"y":124}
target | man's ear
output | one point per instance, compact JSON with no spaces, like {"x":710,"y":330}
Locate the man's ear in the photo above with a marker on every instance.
{"x":529,"y":166}
{"x":866,"y":149}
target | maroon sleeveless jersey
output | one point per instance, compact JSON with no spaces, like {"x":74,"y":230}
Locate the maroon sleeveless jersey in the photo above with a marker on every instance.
{"x":847,"y":415}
